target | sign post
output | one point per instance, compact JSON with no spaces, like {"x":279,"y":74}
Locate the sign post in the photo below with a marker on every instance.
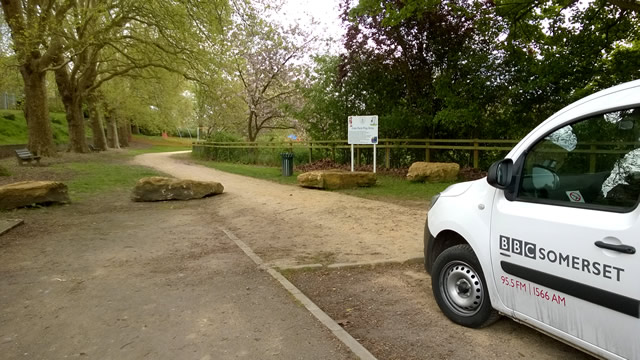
{"x":363,"y":130}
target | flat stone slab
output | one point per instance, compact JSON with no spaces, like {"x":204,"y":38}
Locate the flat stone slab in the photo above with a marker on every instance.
{"x":8,"y":224}
{"x":27,"y":193}
{"x":336,"y":179}
{"x":433,"y":172}
{"x":157,"y":188}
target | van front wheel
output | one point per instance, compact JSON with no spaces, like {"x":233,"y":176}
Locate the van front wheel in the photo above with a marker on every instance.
{"x":460,"y":288}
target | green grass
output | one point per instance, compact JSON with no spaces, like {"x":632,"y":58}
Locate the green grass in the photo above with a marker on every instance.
{"x":259,"y":172}
{"x":388,"y":188}
{"x":96,"y":177}
{"x":156,"y":144}
{"x":395,"y":188}
{"x":157,"y":149}
{"x":13,"y":128}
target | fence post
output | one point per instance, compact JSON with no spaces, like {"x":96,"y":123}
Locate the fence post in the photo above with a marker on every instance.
{"x":427,"y":152}
{"x":387,"y":156}
{"x":333,"y":152}
{"x":310,"y":152}
{"x":476,"y":154}
{"x":592,"y":159}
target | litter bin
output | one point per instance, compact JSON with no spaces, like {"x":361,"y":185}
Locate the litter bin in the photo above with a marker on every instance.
{"x":287,"y":164}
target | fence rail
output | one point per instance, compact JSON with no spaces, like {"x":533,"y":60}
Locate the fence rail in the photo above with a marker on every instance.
{"x":474,"y":146}
{"x":470,"y":152}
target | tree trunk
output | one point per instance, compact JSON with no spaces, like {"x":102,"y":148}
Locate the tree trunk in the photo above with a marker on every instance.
{"x":112,"y":132}
{"x":123,"y":134}
{"x":72,"y":102}
{"x":77,"y":133}
{"x":36,"y":111}
{"x":95,"y":115}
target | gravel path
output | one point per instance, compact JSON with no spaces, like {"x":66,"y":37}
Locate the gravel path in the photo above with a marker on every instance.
{"x":288,"y":225}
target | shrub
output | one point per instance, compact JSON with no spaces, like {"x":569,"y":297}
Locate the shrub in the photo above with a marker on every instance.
{"x":9,"y":116}
{"x":221,"y":136}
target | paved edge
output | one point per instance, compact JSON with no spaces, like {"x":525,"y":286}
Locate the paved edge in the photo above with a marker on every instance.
{"x":8,"y":224}
{"x":325,"y":319}
{"x":410,"y":260}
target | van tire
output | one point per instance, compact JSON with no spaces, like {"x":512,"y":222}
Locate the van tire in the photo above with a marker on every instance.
{"x":460,"y":288}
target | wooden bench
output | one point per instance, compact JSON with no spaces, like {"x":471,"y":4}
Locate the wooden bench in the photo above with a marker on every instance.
{"x":24,"y":155}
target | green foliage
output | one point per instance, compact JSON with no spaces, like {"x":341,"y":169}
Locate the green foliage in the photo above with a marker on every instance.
{"x":257,"y":156}
{"x":223,"y":136}
{"x":433,"y":69}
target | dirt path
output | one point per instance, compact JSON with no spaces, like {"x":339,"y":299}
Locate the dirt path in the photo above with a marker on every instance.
{"x":113,"y":279}
{"x":288,"y":225}
{"x":390,"y":309}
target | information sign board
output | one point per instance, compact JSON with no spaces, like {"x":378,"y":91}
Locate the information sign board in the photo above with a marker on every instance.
{"x":363,"y":130}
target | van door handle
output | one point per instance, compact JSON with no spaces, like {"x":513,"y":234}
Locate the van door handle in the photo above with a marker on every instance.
{"x":620,"y":248}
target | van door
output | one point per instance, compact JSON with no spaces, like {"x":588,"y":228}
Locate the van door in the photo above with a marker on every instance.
{"x":564,"y":241}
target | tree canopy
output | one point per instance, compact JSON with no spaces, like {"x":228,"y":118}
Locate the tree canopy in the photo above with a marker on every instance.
{"x":429,"y":69}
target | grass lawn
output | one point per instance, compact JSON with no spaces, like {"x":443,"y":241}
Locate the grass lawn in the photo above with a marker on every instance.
{"x":388,"y":188}
{"x":150,"y":144}
{"x":90,"y":178}
{"x":259,"y":172}
{"x":86,"y":175}
{"x":396,"y":188}
{"x":13,"y":127}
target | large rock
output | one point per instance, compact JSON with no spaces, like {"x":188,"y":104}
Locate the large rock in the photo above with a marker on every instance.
{"x":336,"y":179}
{"x":27,"y":193}
{"x":158,"y":188}
{"x":433,"y":172}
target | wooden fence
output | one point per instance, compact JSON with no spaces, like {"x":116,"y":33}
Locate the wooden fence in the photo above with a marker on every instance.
{"x":385,"y":146}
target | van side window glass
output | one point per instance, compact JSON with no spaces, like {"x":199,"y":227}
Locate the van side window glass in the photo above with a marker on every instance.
{"x":593,"y":163}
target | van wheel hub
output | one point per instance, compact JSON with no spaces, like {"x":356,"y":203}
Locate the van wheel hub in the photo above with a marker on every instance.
{"x":462,"y":288}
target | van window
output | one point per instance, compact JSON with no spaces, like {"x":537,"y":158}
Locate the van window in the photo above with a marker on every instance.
{"x":592,"y":163}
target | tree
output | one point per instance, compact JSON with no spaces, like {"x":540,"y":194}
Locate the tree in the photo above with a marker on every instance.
{"x":264,"y":54}
{"x":111,"y":39}
{"x":428,"y":68}
{"x":460,"y":69}
{"x":219,"y":107}
{"x":31,"y":23}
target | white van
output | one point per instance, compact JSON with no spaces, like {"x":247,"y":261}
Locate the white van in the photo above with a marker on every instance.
{"x":549,"y":237}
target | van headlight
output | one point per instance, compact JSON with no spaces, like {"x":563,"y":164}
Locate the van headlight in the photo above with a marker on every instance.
{"x":433,"y":200}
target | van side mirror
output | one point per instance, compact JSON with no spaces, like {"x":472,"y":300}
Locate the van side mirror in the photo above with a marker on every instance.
{"x":500,"y":174}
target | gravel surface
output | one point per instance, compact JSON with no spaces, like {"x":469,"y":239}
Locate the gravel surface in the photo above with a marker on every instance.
{"x":113,"y":279}
{"x":392,"y":312}
{"x":289,"y":225}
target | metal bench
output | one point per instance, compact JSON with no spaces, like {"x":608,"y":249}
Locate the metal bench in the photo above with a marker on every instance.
{"x":24,"y":155}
